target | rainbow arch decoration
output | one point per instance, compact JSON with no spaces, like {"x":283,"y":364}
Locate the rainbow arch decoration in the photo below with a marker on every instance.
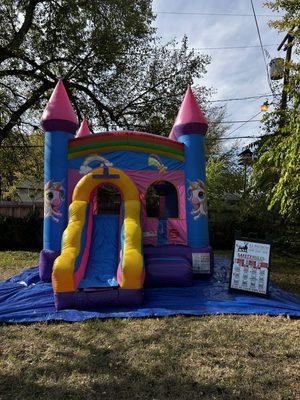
{"x":92,"y":162}
{"x":126,"y":140}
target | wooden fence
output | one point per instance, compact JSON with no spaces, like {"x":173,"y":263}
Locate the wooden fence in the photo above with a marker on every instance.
{"x":17,"y":209}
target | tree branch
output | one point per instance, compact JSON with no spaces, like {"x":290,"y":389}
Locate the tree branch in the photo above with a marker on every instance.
{"x":147,"y":90}
{"x":18,"y":38}
{"x":15,"y":94}
{"x":100,"y":106}
{"x":22,"y":72}
{"x":24,"y":107}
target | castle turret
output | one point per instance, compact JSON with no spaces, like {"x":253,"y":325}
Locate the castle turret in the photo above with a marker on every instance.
{"x":84,"y":130}
{"x":59,"y":123}
{"x":190,"y":128}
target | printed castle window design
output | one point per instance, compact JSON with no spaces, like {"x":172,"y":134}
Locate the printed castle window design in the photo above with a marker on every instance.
{"x":162,"y":200}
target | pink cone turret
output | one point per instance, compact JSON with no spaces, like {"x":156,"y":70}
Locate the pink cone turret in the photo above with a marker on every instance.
{"x":84,"y":130}
{"x":59,"y":122}
{"x":59,"y":114}
{"x":190,"y":128}
{"x":190,"y":118}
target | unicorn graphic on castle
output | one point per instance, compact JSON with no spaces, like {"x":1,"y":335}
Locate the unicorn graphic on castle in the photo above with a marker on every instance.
{"x":53,"y":199}
{"x":197,"y":197}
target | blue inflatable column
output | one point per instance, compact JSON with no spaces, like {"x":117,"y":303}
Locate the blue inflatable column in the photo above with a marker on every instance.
{"x":56,"y":186}
{"x":195,"y":180}
{"x":190,"y":128}
{"x":59,"y":123}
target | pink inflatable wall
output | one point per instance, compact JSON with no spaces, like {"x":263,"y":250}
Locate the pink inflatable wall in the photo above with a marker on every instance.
{"x":176,"y":227}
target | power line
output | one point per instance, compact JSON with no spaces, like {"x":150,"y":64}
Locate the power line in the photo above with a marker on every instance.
{"x":259,"y":96}
{"x":230,"y":47}
{"x":138,"y":126}
{"x":260,"y":41}
{"x":244,"y":123}
{"x":141,"y":126}
{"x":234,"y":138}
{"x":219,"y":122}
{"x":218,"y":14}
{"x":238,"y":122}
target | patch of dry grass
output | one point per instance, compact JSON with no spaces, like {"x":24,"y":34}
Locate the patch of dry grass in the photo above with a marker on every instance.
{"x":13,"y":262}
{"x":216,"y":357}
{"x":285,"y":271}
{"x":220,"y":357}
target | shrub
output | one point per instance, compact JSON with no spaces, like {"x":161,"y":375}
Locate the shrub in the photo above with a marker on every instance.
{"x":21,"y":233}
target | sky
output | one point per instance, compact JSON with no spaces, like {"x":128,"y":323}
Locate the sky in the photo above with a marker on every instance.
{"x":233,"y":72}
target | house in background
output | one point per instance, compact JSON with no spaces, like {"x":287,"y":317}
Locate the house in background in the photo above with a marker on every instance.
{"x":27,"y":192}
{"x":30,"y":198}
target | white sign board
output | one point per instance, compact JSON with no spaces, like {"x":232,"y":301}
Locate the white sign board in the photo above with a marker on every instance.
{"x":250,"y":266}
{"x":201,"y":263}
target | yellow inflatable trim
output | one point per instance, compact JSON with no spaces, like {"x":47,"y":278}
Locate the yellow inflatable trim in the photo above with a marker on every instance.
{"x":132,"y":262}
{"x":62,"y":276}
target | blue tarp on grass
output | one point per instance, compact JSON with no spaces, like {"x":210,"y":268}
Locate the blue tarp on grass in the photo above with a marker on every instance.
{"x":24,"y":298}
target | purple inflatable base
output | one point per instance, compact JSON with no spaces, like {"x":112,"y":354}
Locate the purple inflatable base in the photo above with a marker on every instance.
{"x":47,"y":258}
{"x":165,"y":266}
{"x":99,"y":299}
{"x":176,"y":273}
{"x":184,"y":252}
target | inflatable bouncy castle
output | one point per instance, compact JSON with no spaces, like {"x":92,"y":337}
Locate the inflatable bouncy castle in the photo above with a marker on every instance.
{"x":124,"y":210}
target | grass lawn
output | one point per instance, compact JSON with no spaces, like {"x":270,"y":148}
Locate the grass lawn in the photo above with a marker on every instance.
{"x":217,"y":357}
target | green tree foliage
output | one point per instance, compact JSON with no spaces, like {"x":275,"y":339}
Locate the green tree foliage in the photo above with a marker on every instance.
{"x":21,"y":159}
{"x":116,"y":71}
{"x":225,"y":185}
{"x":225,"y":178}
{"x":277,"y":170}
{"x":217,"y":128}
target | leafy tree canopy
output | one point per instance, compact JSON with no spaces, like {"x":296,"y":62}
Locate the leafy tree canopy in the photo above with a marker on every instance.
{"x":116,"y":71}
{"x":277,"y":170}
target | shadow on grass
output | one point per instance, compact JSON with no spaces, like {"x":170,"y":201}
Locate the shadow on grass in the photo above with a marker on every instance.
{"x":172,"y":358}
{"x":85,"y":369}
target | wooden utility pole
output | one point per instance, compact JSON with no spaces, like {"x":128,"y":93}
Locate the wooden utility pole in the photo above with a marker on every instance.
{"x":245,"y":159}
{"x":288,"y":56}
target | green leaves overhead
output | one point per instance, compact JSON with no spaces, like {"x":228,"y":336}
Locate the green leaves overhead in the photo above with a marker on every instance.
{"x":115,"y":69}
{"x":277,"y":170}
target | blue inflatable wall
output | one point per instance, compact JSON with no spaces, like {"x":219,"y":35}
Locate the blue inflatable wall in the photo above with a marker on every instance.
{"x":56,"y":184}
{"x":197,"y":226}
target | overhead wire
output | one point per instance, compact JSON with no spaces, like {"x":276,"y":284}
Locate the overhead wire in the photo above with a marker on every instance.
{"x":239,"y":121}
{"x":244,"y":123}
{"x":255,"y":15}
{"x":261,"y":44}
{"x":235,"y":138}
{"x":216,"y":14}
{"x":259,"y":96}
{"x":230,"y":47}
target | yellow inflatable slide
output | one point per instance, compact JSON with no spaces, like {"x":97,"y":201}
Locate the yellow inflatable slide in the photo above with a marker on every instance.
{"x":70,"y":266}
